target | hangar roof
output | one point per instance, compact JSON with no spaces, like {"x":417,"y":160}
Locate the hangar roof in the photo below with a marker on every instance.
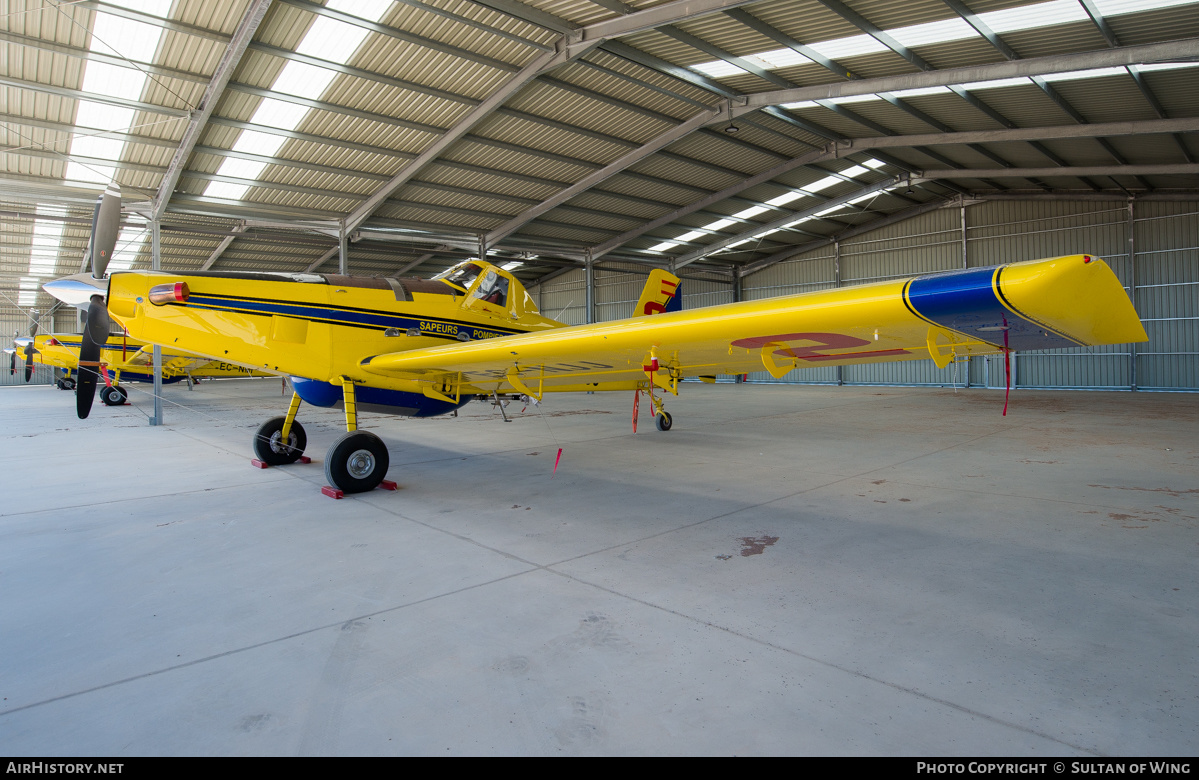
{"x":712,"y":136}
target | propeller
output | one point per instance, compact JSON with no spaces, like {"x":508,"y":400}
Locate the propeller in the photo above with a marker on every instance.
{"x":29,"y":350}
{"x":95,"y":335}
{"x":12,"y":363}
{"x":106,"y":225}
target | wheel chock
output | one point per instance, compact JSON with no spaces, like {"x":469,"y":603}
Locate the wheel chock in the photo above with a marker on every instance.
{"x":332,"y":492}
{"x":387,"y":484}
{"x":256,"y":463}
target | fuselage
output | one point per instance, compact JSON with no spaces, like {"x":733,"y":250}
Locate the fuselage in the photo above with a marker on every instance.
{"x":318,"y":328}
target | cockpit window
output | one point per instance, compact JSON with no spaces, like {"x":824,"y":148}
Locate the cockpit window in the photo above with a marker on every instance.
{"x":493,"y":289}
{"x":462,"y":276}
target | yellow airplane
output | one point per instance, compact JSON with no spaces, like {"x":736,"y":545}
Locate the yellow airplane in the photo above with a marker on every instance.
{"x":123,"y":359}
{"x":421,"y":347}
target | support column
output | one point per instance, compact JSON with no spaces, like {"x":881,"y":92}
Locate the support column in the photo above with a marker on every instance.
{"x":589,"y":273}
{"x":837,"y":283}
{"x":343,"y":251}
{"x":156,"y":265}
{"x":1132,"y":288}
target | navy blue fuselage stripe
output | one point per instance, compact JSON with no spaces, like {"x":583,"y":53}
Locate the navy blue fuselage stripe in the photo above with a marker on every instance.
{"x":360,"y":318}
{"x":966,"y":301}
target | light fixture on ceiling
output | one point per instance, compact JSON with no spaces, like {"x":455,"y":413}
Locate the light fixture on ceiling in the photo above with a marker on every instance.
{"x":732,"y":129}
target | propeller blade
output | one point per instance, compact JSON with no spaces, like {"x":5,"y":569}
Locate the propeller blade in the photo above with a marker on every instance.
{"x":95,"y":335}
{"x":106,"y":226}
{"x":12,"y":367}
{"x":28,"y":362}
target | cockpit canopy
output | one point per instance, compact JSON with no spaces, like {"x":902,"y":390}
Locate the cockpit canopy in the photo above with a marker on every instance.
{"x":489,"y":288}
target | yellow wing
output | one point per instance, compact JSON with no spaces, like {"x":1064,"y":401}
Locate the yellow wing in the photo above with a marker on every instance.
{"x":1045,"y":304}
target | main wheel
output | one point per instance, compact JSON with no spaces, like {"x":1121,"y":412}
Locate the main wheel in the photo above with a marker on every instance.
{"x":112,"y":395}
{"x":663,"y":421}
{"x":68,"y":383}
{"x":357,"y":462}
{"x":270,"y":447}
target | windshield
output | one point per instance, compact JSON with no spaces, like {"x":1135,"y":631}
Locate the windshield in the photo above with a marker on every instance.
{"x":462,"y":275}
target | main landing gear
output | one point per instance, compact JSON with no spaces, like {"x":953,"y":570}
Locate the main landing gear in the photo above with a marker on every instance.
{"x":357,"y":462}
{"x":114,"y":395}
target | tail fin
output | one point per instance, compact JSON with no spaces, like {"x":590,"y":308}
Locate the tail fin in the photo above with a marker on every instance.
{"x":661,"y":294}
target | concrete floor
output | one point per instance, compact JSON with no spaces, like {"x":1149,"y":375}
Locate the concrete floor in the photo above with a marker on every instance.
{"x":791,"y":570}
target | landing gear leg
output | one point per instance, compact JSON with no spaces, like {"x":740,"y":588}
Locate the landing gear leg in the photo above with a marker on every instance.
{"x":281,"y":440}
{"x":663,"y":421}
{"x":358,"y":461}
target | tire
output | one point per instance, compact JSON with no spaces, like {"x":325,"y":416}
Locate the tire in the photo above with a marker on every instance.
{"x":112,"y":395}
{"x":663,"y":421}
{"x":124,"y":395}
{"x":357,"y":462}
{"x":68,"y":383}
{"x":269,"y":445}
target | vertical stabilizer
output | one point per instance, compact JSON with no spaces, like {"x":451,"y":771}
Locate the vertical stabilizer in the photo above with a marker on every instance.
{"x":661,"y":294}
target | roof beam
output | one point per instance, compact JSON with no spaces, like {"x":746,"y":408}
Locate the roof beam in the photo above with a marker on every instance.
{"x":216,"y":87}
{"x":787,"y":221}
{"x":849,"y":146}
{"x":1171,"y":169}
{"x":221,"y":247}
{"x":675,"y":133}
{"x":890,"y":219}
{"x":1171,"y":51}
{"x":575,"y":43}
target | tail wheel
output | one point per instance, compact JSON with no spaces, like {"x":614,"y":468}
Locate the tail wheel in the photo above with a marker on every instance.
{"x":270,"y":447}
{"x":663,"y":421}
{"x":357,"y":462}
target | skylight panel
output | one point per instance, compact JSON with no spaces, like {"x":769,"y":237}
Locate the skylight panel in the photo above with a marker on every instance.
{"x":327,"y":39}
{"x":780,"y":58}
{"x":101,"y":148}
{"x":942,"y":31}
{"x":874,"y":164}
{"x":1118,"y":7}
{"x":718,"y":69}
{"x":853,"y":170}
{"x":752,"y":211}
{"x":254,"y":142}
{"x":241,"y":169}
{"x":1027,"y":17}
{"x":822,"y":184}
{"x":691,"y":236}
{"x":1019,"y":81}
{"x":223,"y":189}
{"x":47,"y":235}
{"x":124,"y":37}
{"x":1165,"y":66}
{"x":26,"y":291}
{"x":920,"y":91}
{"x":801,"y":104}
{"x":128,"y":243}
{"x":104,"y":79}
{"x":663,"y":246}
{"x":330,"y":39}
{"x":1084,"y":74}
{"x":103,"y":117}
{"x":279,"y":113}
{"x":307,"y":81}
{"x":854,"y":46}
{"x":719,"y":224}
{"x":786,"y":197}
{"x":512,"y":266}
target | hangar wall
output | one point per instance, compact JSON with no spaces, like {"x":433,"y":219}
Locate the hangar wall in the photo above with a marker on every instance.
{"x":1162,"y":237}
